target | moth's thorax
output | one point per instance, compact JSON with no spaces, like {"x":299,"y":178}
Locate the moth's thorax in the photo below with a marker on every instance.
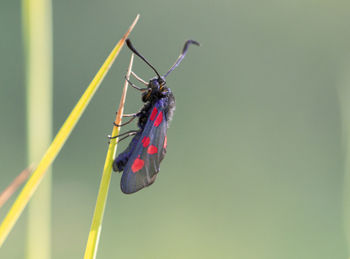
{"x":164,"y":99}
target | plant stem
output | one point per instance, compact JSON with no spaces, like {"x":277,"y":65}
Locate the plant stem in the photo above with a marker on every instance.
{"x":37,"y":28}
{"x":96,"y":225}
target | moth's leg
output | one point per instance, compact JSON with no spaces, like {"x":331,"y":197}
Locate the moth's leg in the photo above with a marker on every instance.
{"x":134,"y":86}
{"x":131,"y":114}
{"x":126,"y":123}
{"x":129,"y":133}
{"x":139,"y":78}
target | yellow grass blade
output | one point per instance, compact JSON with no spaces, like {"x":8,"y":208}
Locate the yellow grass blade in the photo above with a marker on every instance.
{"x":96,"y":225}
{"x":58,"y":142}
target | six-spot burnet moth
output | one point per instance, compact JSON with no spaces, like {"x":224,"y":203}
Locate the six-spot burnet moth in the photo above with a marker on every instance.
{"x":140,"y":161}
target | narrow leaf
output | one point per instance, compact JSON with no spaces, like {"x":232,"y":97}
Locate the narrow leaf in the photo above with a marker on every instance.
{"x":96,"y":225}
{"x":58,"y":142}
{"x":7,"y":193}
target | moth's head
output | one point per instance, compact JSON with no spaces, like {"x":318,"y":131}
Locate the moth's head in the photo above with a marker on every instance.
{"x":156,"y":84}
{"x":155,"y":88}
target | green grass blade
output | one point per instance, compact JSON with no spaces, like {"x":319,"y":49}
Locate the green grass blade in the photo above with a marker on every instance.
{"x":96,"y":225}
{"x":37,"y":34}
{"x":35,"y":179}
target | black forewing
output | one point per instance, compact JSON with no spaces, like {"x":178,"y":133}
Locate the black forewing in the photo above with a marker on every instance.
{"x":150,"y":152}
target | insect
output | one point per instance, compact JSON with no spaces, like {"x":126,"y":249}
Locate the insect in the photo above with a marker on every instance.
{"x":140,"y":160}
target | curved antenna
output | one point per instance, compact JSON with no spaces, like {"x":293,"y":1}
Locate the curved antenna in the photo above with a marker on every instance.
{"x":131,"y":47}
{"x":182,"y":55}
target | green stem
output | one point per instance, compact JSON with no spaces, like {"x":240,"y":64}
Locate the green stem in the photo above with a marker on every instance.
{"x":37,"y":31}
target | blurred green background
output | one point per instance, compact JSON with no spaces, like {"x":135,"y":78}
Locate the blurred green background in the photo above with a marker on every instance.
{"x":256,"y":164}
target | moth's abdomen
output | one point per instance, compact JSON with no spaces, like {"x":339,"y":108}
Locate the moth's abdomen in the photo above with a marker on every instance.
{"x":120,"y":162}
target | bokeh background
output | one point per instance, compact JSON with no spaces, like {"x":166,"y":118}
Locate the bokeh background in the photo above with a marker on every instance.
{"x":257,"y":151}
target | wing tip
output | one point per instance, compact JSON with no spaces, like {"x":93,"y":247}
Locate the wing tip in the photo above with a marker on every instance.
{"x":134,"y":189}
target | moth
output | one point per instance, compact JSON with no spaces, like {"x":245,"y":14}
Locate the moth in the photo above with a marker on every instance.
{"x":141,"y":159}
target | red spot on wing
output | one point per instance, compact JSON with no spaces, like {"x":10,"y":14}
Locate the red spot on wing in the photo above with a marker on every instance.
{"x":153,"y":114}
{"x":165,"y":142}
{"x":145,"y":141}
{"x":137,"y":165}
{"x":152,"y":150}
{"x":159,"y":119}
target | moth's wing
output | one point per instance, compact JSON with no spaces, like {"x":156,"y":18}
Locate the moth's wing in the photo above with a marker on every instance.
{"x":143,"y":164}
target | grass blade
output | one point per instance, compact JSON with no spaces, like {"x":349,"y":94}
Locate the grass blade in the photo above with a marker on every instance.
{"x":7,"y":193}
{"x":58,"y":142}
{"x":37,"y":36}
{"x":96,"y":225}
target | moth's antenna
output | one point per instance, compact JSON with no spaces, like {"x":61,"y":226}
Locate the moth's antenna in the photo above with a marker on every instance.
{"x":131,"y":47}
{"x":182,"y":55}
